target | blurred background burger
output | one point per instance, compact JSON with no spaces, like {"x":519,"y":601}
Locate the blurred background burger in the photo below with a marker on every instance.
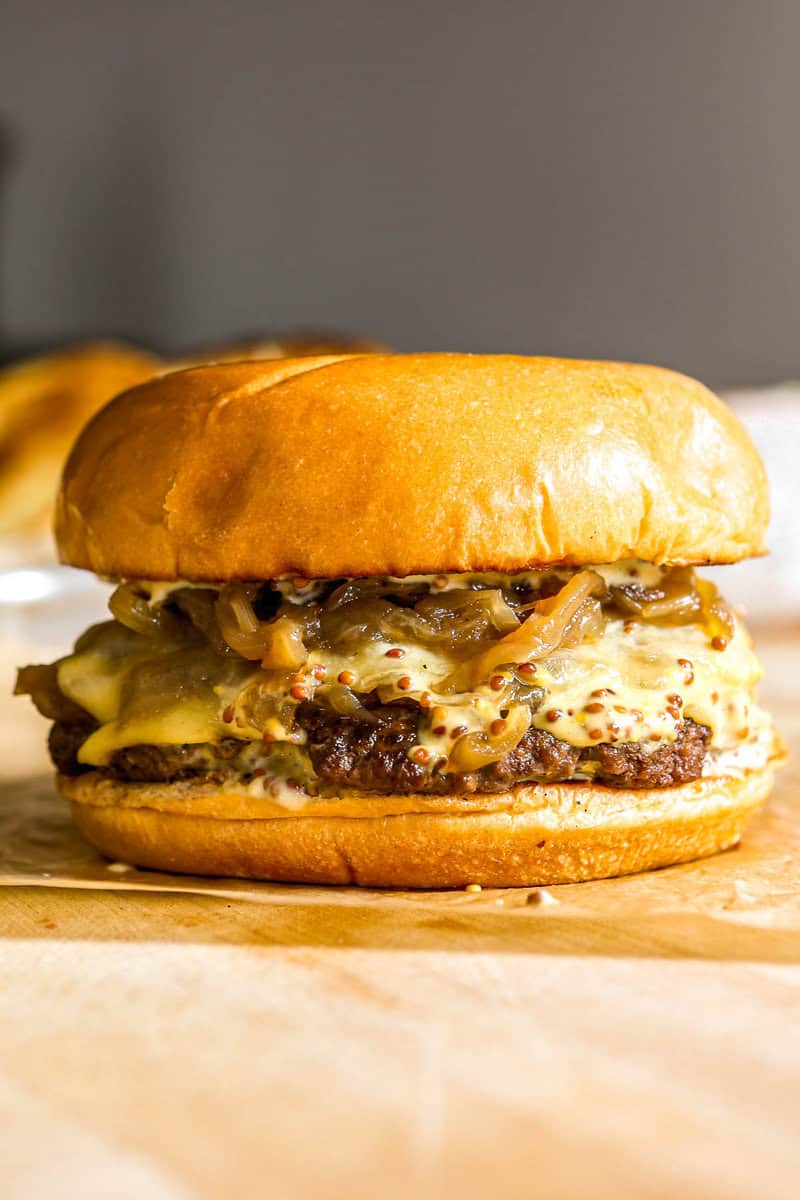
{"x":44,"y":403}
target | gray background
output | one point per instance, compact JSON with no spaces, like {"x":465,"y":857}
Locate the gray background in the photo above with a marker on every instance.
{"x":612,"y":179}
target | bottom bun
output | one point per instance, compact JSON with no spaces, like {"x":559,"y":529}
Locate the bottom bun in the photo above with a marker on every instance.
{"x":534,"y":834}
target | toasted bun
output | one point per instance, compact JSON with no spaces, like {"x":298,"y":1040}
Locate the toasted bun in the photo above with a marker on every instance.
{"x":43,"y":404}
{"x":557,"y":833}
{"x":402,"y":464}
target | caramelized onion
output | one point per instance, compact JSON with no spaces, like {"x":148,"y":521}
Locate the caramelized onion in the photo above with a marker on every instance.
{"x":198,"y":605}
{"x":260,"y":702}
{"x":132,"y":609}
{"x":401,"y":592}
{"x":367,"y":619}
{"x":356,"y":611}
{"x":588,"y":622}
{"x":675,"y":599}
{"x":542,"y":633}
{"x":242,"y":610}
{"x":343,"y":701}
{"x":679,"y":599}
{"x":283,"y":645}
{"x":276,"y":644}
{"x":466,"y":614}
{"x":475,"y":750}
{"x":717,"y":617}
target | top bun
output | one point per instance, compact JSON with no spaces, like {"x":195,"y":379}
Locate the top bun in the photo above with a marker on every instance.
{"x":44,"y":402}
{"x":406,"y":464}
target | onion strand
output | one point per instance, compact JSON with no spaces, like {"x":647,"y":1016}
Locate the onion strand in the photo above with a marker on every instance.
{"x":541,"y":634}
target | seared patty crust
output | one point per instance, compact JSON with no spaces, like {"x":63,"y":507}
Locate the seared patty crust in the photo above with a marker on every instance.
{"x":371,"y":755}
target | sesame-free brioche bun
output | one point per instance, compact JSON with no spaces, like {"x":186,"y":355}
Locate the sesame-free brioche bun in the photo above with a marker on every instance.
{"x":405,"y":464}
{"x":531,"y":835}
{"x":44,"y":402}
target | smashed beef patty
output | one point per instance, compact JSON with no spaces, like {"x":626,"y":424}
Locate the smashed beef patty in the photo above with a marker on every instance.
{"x":371,"y":755}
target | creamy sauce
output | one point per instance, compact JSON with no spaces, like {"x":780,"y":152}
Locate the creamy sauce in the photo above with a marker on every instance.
{"x":640,"y":680}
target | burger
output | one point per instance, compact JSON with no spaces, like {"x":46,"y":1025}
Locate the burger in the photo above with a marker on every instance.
{"x":44,"y":402}
{"x":411,"y":621}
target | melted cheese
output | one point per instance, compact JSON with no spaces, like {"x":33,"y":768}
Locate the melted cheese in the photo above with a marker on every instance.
{"x":144,"y":692}
{"x":650,"y":677}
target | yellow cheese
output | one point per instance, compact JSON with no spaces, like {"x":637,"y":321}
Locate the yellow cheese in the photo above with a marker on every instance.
{"x":94,"y":682}
{"x":144,"y":691}
{"x":194,"y":720}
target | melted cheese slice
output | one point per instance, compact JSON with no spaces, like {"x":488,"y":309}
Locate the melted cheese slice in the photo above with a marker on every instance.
{"x":144,"y":692}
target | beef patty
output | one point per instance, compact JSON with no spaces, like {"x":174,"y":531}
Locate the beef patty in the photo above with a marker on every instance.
{"x":371,"y":754}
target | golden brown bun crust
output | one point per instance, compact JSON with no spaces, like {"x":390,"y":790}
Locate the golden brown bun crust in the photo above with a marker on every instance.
{"x":534,"y":835}
{"x":43,"y":404}
{"x":402,"y":464}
